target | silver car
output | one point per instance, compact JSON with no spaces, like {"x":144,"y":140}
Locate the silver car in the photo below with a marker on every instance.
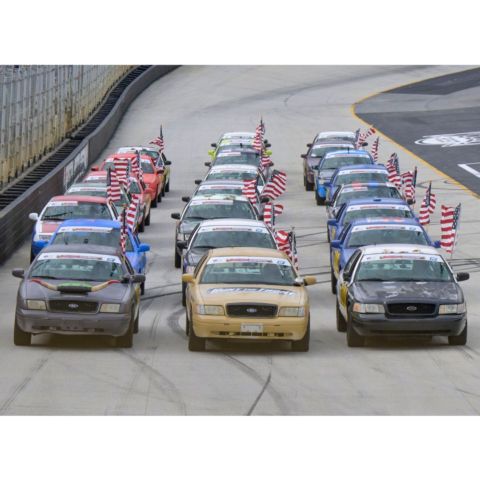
{"x":68,"y":290}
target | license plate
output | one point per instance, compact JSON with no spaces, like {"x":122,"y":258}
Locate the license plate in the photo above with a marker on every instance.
{"x":251,"y":327}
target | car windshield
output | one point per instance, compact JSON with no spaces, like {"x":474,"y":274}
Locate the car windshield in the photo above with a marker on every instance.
{"x":337,"y":162}
{"x":319,"y":151}
{"x":243,"y":158}
{"x":248,"y":272}
{"x":385,"y":211}
{"x":375,"y":235}
{"x":363,"y":177}
{"x":58,"y":213}
{"x":382,"y":191}
{"x":220,"y":209}
{"x":77,"y":269}
{"x":147,"y":166}
{"x":401,"y":268}
{"x":109,"y":238}
{"x":234,"y":175}
{"x":218,"y":238}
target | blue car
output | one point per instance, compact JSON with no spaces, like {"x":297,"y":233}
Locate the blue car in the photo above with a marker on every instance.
{"x":102,"y":232}
{"x":333,"y":160}
{"x":355,"y":174}
{"x":363,"y":208}
{"x":374,"y":231}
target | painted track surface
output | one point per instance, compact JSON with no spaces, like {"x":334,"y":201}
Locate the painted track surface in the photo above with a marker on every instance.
{"x":80,"y":376}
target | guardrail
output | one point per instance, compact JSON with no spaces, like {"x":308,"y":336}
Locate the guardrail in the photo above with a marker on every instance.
{"x":14,"y":221}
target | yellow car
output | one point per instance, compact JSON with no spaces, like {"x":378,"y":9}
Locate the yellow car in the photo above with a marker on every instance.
{"x":247,"y":293}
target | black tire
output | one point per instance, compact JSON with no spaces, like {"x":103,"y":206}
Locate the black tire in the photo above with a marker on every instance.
{"x":353,"y":338}
{"x":178,"y":260}
{"x":341,"y":323}
{"x":187,"y":324}
{"x":333,"y":282}
{"x":126,"y":341}
{"x":195,"y":344}
{"x":184,"y":298}
{"x":159,"y":196}
{"x":308,"y":186}
{"x":136,"y":323}
{"x":142,"y":288}
{"x":147,"y":219}
{"x":32,"y":256}
{"x":167,"y":186}
{"x":154,"y":202}
{"x":459,"y":339}
{"x":328,"y":235}
{"x":317,"y":198}
{"x":304,"y":344}
{"x":21,"y":338}
{"x":141,"y":227}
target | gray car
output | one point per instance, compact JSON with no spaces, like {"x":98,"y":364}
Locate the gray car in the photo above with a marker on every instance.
{"x":67,"y":290}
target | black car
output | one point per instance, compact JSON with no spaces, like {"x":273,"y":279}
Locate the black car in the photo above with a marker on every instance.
{"x":400,"y":290}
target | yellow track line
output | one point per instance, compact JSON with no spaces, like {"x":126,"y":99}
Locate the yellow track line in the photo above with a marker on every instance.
{"x":448,"y":177}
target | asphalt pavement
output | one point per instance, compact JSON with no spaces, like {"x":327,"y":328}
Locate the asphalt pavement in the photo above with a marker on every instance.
{"x":159,"y":376}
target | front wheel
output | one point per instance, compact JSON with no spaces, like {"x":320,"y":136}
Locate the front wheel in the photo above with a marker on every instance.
{"x":147,"y":219}
{"x":459,"y":339}
{"x":178,"y":260}
{"x":304,"y":344}
{"x":353,"y":338}
{"x":167,"y":186}
{"x":126,"y":340}
{"x":308,"y":185}
{"x":341,"y":323}
{"x":333,"y":282}
{"x":195,"y":344}
{"x":21,"y":338}
{"x":154,"y":202}
{"x":184,"y":297}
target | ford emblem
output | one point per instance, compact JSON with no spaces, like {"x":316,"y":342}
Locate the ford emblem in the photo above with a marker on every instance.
{"x":251,"y":310}
{"x":73,"y":305}
{"x":412,"y":308}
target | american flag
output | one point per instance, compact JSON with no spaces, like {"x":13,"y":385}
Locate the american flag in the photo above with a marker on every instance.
{"x":258,"y":139}
{"x":123,"y":232}
{"x":374,"y":149}
{"x":393,"y":168}
{"x":270,"y":213}
{"x":132,"y":213}
{"x":113,"y":186}
{"x":409,"y":181}
{"x":276,"y":185}
{"x":159,"y":140}
{"x":449,"y":223}
{"x":265,"y":161}
{"x":135,"y":164}
{"x":428,"y":205}
{"x":262,"y":126}
{"x":287,"y":243}
{"x":120,"y":165}
{"x":249,"y":189}
{"x":363,"y":136}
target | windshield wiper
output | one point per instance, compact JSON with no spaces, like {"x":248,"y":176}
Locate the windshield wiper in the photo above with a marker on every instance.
{"x":195,"y":218}
{"x":373,"y":279}
{"x":204,"y":246}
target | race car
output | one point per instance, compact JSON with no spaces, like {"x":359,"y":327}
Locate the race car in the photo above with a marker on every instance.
{"x":234,"y":141}
{"x":372,"y":231}
{"x":244,"y":156}
{"x":355,"y":174}
{"x":78,"y":290}
{"x":366,"y":208}
{"x":66,"y":207}
{"x":105,"y":233}
{"x":352,"y":191}
{"x":236,"y":172}
{"x":348,"y":136}
{"x":400,"y":290}
{"x":225,"y":232}
{"x":208,"y":208}
{"x":315,"y":153}
{"x":330,"y":162}
{"x":247,"y":293}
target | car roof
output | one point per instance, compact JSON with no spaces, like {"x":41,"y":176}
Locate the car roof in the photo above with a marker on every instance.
{"x":233,"y":222}
{"x":334,"y":142}
{"x":127,"y":155}
{"x":400,"y":248}
{"x":376,"y":201}
{"x":78,"y":198}
{"x":348,"y":153}
{"x":83,"y":222}
{"x":83,"y":248}
{"x":247,"y":252}
{"x":366,"y":166}
{"x":236,"y":150}
{"x":333,"y":134}
{"x":140,"y":147}
{"x":385,"y":221}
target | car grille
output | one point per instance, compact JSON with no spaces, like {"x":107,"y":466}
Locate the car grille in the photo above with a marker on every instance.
{"x":411,"y":308}
{"x":73,"y":306}
{"x":251,"y":310}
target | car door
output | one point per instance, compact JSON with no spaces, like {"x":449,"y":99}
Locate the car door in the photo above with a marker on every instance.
{"x":342,"y":284}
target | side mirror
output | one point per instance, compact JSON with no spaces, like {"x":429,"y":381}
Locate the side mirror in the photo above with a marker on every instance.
{"x":332,"y":222}
{"x":137,"y":278}
{"x":182,"y":244}
{"x":167,"y":162}
{"x":33,"y":216}
{"x":187,"y":278}
{"x":185,"y":199}
{"x":437,"y":244}
{"x":175,"y":216}
{"x":310,"y":280}
{"x":462,"y":276}
{"x":335,"y":244}
{"x":214,"y":145}
{"x":95,"y":168}
{"x":314,"y":167}
{"x":208,"y":164}
{"x":18,"y":272}
{"x":144,"y":247}
{"x":267,"y":145}
{"x":303,"y":155}
{"x":198,"y":182}
{"x":42,"y":243}
{"x":264,"y":199}
{"x":365,"y":144}
{"x":260,"y":216}
{"x":309,"y":145}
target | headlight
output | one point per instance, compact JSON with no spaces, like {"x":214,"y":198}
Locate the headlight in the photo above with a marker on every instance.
{"x":36,"y":305}
{"x":292,"y":312}
{"x":452,"y":308}
{"x":110,"y":308}
{"x":189,"y":268}
{"x":368,"y":308}
{"x":210,"y":310}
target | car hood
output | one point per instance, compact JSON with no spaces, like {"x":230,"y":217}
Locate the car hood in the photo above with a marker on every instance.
{"x":407,"y":291}
{"x":221,"y":294}
{"x":47,"y":227}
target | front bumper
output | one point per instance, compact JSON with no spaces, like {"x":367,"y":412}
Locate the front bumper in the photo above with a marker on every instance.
{"x":378,"y":324}
{"x":278,"y":328}
{"x":66,"y":323}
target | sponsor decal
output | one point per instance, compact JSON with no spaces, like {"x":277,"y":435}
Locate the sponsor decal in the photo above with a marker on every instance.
{"x":233,"y":229}
{"x":401,"y":256}
{"x":370,"y":170}
{"x":275,"y":261}
{"x":211,"y":202}
{"x":78,"y":256}
{"x":85,"y":229}
{"x":379,"y":206}
{"x":443,"y":140}
{"x":274,"y":291}
{"x":363,"y":228}
{"x":65,"y":203}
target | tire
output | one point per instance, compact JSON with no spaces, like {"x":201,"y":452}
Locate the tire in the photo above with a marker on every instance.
{"x":459,"y":339}
{"x":32,"y":256}
{"x":21,"y":338}
{"x":333,"y":282}
{"x":154,"y":202}
{"x":303,"y":344}
{"x":167,"y":186}
{"x":159,"y":196}
{"x":178,"y":260}
{"x":187,"y":324}
{"x":317,"y":198}
{"x":308,"y":186}
{"x":184,"y":298}
{"x":142,"y":288}
{"x":162,"y":192}
{"x":126,"y":341}
{"x":136,"y":323}
{"x":353,"y":338}
{"x":328,"y":235}
{"x":141,"y":227}
{"x":195,"y":344}
{"x":341,"y":323}
{"x":147,"y":219}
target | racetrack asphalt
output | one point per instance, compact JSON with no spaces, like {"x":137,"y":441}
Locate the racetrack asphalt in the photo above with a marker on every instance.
{"x":159,"y":376}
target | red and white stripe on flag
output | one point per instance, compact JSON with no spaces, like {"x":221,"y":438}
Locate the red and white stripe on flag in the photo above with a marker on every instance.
{"x":121,"y":165}
{"x":286,"y":242}
{"x":158,"y":141}
{"x":374,"y":149}
{"x":113,"y":186}
{"x":249,"y":190}
{"x":132,"y":213}
{"x":276,"y":185}
{"x":447,"y":240}
{"x":270,"y":212}
{"x":363,"y":136}
{"x":408,"y":189}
